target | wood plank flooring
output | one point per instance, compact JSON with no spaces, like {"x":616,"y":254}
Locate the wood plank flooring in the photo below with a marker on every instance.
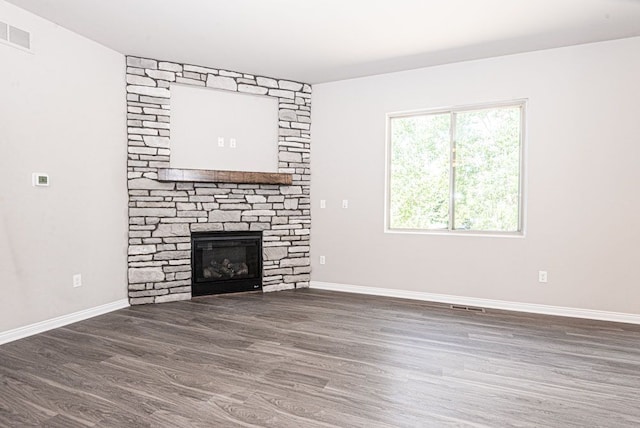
{"x":313,"y":358}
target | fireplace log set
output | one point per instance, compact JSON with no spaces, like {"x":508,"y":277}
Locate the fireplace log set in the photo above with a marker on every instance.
{"x":225,"y":270}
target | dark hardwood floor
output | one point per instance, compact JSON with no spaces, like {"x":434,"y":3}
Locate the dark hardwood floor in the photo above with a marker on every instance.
{"x":311,"y":358}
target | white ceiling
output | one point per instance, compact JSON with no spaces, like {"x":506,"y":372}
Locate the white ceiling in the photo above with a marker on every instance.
{"x":324,"y":40}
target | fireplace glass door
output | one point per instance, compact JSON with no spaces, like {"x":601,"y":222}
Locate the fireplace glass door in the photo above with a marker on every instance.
{"x":226,"y":262}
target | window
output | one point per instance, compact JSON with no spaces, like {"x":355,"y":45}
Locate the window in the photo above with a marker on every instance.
{"x":457,"y":170}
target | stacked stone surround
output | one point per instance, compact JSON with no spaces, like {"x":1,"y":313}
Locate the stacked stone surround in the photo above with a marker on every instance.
{"x":162,"y":215}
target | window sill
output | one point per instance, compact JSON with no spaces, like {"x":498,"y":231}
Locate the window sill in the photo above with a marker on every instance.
{"x":508,"y":235}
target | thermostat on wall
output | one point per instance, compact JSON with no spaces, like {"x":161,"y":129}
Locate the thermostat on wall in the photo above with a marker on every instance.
{"x":40,"y":179}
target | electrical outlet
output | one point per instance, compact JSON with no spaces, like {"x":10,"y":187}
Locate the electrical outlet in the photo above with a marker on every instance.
{"x":77,"y":280}
{"x":322,"y":260}
{"x":542,"y":276}
{"x":220,"y":141}
{"x":345,"y":203}
{"x":39,"y":179}
{"x":232,"y":143}
{"x":323,"y":203}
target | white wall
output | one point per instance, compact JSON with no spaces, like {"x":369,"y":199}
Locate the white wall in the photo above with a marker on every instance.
{"x":199,"y":116}
{"x":62,"y":111}
{"x":582,"y":195}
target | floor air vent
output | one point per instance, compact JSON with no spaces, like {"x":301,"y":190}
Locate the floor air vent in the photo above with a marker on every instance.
{"x":467,"y":308}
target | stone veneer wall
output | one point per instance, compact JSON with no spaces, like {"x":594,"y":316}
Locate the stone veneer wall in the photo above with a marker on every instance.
{"x":162,"y":215}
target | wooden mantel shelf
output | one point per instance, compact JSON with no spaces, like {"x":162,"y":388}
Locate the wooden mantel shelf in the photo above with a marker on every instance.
{"x":212,"y":176}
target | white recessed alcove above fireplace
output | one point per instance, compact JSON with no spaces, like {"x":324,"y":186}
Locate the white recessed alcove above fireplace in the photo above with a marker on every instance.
{"x":213,"y":129}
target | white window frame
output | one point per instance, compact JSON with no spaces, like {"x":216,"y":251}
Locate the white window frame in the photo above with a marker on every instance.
{"x":520,"y":103}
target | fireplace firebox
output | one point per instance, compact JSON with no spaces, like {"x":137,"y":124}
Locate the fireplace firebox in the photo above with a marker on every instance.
{"x":225,"y":262}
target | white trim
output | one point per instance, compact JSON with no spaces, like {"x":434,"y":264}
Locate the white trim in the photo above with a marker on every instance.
{"x":483,"y":303}
{"x":42,"y":326}
{"x":444,"y":232}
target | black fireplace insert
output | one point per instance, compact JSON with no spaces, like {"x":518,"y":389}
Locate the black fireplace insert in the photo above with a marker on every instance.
{"x":225,"y":262}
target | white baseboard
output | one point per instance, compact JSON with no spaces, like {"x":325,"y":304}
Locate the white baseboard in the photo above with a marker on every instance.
{"x":483,"y":303}
{"x":30,"y":330}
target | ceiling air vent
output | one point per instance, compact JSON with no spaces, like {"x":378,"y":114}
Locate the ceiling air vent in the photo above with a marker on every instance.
{"x":15,"y":36}
{"x":19,"y":37}
{"x":4,"y":31}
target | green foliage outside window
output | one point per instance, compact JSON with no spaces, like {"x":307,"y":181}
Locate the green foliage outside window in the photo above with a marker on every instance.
{"x":468,"y":158}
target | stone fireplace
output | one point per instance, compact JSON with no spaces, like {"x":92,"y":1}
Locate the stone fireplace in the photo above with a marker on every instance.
{"x":168,"y":208}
